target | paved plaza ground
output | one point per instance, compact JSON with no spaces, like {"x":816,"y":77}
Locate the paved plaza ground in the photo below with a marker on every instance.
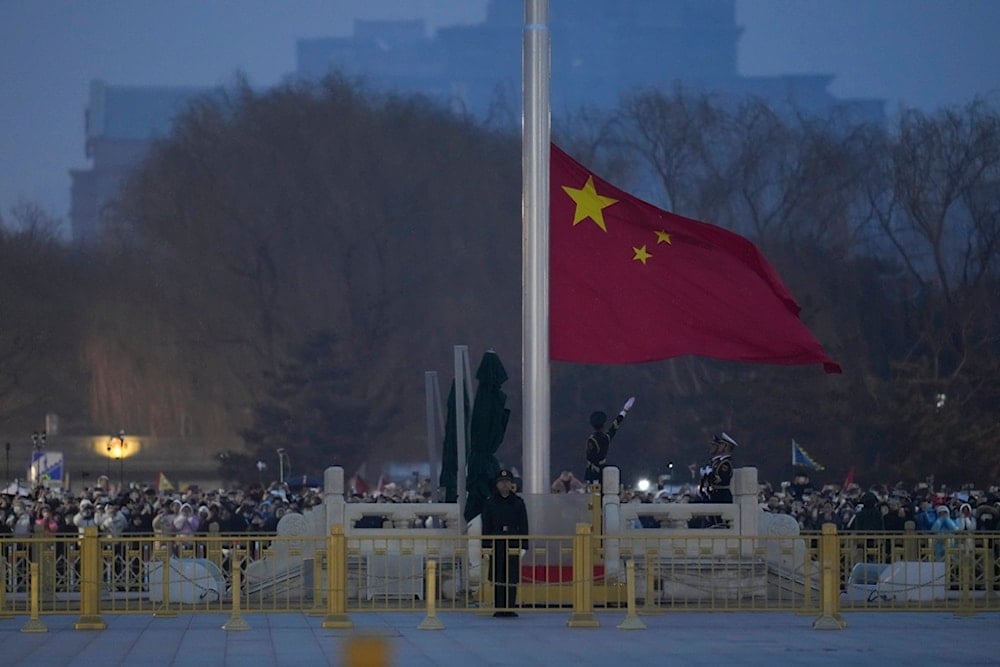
{"x":535,"y":638}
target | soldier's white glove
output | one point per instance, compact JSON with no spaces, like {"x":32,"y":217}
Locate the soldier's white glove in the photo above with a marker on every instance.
{"x":628,"y":406}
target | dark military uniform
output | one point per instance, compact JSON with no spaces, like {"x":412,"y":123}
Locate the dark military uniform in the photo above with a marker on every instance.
{"x":716,"y":479}
{"x":598,"y":444}
{"x":504,"y":516}
{"x":719,"y":479}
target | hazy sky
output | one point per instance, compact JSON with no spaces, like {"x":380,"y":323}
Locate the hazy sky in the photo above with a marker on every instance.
{"x":923,"y":53}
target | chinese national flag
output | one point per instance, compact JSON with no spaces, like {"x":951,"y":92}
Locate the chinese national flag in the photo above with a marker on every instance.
{"x":630,"y":282}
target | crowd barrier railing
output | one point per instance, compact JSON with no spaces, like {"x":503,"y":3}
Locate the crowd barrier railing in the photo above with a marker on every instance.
{"x":823,"y":574}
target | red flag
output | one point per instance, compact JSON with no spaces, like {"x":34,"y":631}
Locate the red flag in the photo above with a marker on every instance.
{"x":359,"y":484}
{"x":630,"y":282}
{"x":848,"y":480}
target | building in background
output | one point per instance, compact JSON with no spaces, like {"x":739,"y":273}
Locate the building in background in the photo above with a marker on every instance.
{"x":600,"y":51}
{"x":121,"y":122}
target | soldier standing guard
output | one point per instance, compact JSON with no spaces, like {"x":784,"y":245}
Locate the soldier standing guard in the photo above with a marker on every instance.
{"x":718,"y":474}
{"x":505,"y":514}
{"x":599,"y":442}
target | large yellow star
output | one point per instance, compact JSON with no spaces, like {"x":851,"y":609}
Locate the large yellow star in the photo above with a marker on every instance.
{"x":641,"y":255}
{"x":662,"y":237}
{"x":589,"y":204}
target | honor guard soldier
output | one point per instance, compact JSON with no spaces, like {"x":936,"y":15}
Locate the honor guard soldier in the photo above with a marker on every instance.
{"x":599,"y":442}
{"x":718,"y":474}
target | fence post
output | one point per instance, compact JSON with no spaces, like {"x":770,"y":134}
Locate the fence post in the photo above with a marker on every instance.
{"x":336,"y":580}
{"x":90,"y":582}
{"x":165,"y":611}
{"x":632,"y":621}
{"x":320,"y":557}
{"x":807,"y":589}
{"x":583,"y":580}
{"x":431,"y":621}
{"x":34,"y":623}
{"x":41,"y":553}
{"x":486,"y":583}
{"x":966,"y":570}
{"x":4,"y":612}
{"x":829,"y":582}
{"x":213,"y":547}
{"x":236,"y":621}
{"x":911,"y":546}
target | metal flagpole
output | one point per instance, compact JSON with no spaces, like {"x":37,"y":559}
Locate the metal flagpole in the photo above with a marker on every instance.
{"x":535,"y":139}
{"x":432,"y":399}
{"x":461,"y":433}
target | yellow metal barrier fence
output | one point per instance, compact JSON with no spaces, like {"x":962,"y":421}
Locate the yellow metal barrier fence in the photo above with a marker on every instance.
{"x":336,"y":575}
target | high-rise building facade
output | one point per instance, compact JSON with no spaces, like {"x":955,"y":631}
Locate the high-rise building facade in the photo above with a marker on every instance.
{"x":600,"y":51}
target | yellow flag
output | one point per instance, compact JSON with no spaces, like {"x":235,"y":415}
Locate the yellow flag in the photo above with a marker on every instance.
{"x":164,"y":484}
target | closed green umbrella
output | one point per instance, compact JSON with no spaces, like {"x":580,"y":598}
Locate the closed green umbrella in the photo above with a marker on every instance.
{"x":486,"y":431}
{"x":448,"y":480}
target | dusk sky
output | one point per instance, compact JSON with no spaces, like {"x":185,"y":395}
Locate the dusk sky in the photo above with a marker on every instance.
{"x":915,"y":53}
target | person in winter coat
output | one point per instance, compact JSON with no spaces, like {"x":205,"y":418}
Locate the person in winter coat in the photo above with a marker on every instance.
{"x":966,"y":520}
{"x":85,"y":517}
{"x":186,"y":523}
{"x":505,"y":514}
{"x":943,"y":524}
{"x":869,"y":518}
{"x":20,"y":521}
{"x":46,"y":521}
{"x":113,"y":520}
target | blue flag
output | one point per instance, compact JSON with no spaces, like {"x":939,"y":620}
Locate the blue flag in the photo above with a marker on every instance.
{"x":802,"y":459}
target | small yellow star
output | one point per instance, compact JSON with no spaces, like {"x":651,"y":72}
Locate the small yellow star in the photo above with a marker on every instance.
{"x":589,"y":204}
{"x":662,"y":237}
{"x":641,"y":254}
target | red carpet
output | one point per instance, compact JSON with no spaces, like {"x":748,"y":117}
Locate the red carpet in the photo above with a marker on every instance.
{"x":555,"y":574}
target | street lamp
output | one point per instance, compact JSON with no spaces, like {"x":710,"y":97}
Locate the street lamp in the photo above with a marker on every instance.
{"x":282,"y":458}
{"x":121,"y":460}
{"x":261,"y":467}
{"x":37,"y":463}
{"x":120,"y":437}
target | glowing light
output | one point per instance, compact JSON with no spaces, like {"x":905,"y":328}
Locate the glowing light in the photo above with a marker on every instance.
{"x":643,"y":485}
{"x":115,"y":449}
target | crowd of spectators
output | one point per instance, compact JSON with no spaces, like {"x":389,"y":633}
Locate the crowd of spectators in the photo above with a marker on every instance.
{"x":258,"y":508}
{"x":147,"y":511}
{"x":880,"y":507}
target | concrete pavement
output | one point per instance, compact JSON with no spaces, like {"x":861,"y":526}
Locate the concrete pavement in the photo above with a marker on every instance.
{"x":535,"y":638}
